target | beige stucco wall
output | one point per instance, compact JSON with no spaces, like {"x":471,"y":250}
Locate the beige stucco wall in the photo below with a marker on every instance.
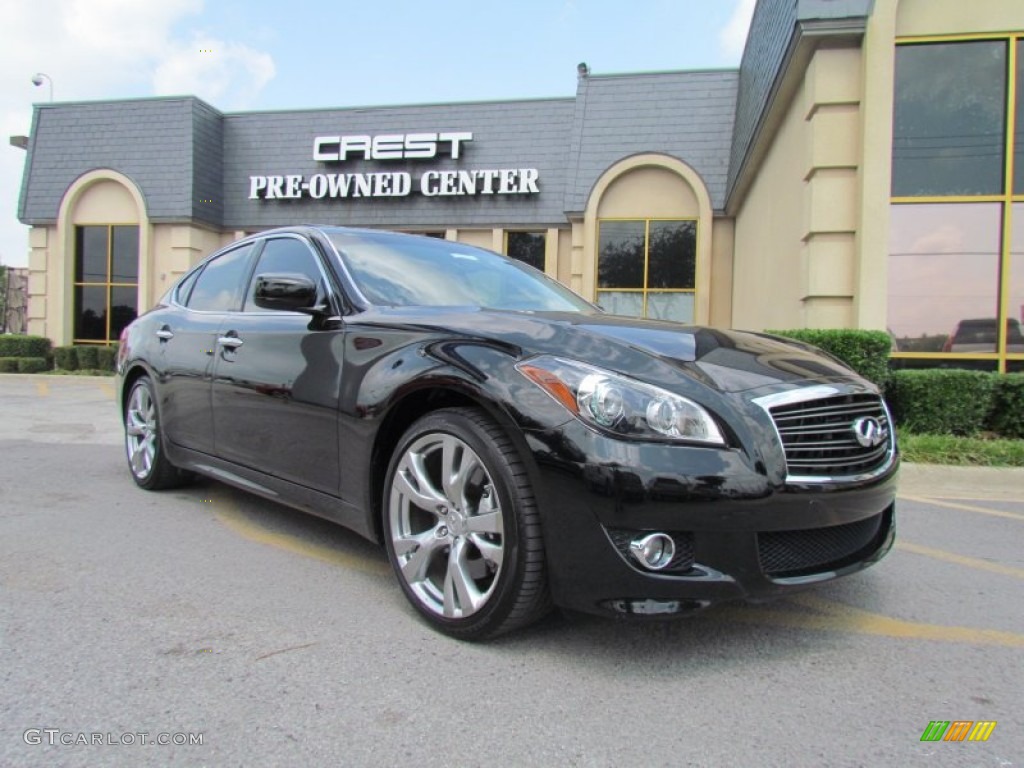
{"x":645,"y":186}
{"x":942,"y":17}
{"x":769,"y":226}
{"x":796,"y":254}
{"x":722,"y":244}
{"x":649,"y":193}
{"x":45,"y":289}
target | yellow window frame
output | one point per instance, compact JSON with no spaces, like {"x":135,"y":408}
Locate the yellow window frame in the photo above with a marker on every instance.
{"x":107,"y":285}
{"x":647,"y":258}
{"x":1007,"y":198}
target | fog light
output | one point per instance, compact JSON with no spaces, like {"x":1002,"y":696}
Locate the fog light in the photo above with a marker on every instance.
{"x":654,"y":551}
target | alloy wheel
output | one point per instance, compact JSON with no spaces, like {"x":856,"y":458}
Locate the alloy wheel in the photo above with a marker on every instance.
{"x":141,"y":432}
{"x":446,"y":525}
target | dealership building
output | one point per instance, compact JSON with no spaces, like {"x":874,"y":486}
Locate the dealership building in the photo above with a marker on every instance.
{"x":863,"y":168}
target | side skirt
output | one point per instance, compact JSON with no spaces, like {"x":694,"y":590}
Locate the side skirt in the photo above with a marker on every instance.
{"x":273,"y":488}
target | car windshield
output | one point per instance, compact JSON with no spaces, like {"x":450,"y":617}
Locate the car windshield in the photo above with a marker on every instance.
{"x":403,"y":271}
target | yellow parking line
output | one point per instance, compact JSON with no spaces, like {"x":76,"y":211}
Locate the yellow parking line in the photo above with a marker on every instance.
{"x":108,"y":389}
{"x":838,"y":617}
{"x":42,"y":387}
{"x":970,"y":562}
{"x":231,"y":517}
{"x":963,"y":507}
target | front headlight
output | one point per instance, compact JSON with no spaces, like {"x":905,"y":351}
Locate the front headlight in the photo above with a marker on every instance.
{"x":615,"y":403}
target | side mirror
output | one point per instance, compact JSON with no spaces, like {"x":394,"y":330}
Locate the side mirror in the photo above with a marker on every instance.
{"x":285,"y":291}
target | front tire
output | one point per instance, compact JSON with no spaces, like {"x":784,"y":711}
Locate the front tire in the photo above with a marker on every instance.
{"x":143,"y":440}
{"x":461,"y":526}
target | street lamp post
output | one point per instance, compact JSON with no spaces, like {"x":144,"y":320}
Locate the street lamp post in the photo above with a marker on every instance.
{"x":37,"y":80}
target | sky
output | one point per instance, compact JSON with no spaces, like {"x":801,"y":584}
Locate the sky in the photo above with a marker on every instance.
{"x":243,"y":55}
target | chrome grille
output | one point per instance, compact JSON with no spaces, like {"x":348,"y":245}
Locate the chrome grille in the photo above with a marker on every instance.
{"x":820,"y":440}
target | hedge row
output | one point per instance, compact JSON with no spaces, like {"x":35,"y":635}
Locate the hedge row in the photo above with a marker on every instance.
{"x":86,"y":357}
{"x":24,"y":364}
{"x":866,"y":352}
{"x":12,"y":345}
{"x":953,"y":402}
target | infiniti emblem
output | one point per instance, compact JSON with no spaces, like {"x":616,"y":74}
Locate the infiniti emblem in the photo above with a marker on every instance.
{"x":869,"y":431}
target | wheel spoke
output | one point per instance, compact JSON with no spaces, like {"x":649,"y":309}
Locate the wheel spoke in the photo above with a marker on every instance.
{"x":457,"y":464}
{"x":461,"y":596}
{"x":489,"y":551}
{"x":138,"y":460}
{"x":415,"y":568}
{"x":489,"y":522}
{"x":413,"y":480}
{"x":136,"y":424}
{"x":411,"y":542}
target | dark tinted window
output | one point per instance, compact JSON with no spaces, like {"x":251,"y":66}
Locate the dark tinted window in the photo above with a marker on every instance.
{"x":527,"y":247}
{"x":91,"y":312}
{"x":949,"y":119}
{"x":124,"y":256}
{"x":672,"y":254}
{"x":92,"y":248}
{"x":620,"y":260}
{"x":284,"y":254}
{"x":218,"y":287}
{"x":106,"y":280}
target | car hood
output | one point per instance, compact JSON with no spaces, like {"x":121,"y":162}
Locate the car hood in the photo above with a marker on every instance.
{"x":729,"y":361}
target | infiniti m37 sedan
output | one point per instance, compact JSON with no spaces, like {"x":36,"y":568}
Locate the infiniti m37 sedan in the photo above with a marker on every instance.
{"x":511,"y":445}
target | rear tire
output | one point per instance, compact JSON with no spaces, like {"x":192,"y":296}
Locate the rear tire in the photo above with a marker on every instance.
{"x":461,"y":526}
{"x":143,"y":440}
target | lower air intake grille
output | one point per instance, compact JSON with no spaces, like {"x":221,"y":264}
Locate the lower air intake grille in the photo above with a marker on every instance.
{"x":834,"y":436}
{"x":798,"y":553}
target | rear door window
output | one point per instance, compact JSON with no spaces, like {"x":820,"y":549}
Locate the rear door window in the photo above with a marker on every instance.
{"x":219,"y":286}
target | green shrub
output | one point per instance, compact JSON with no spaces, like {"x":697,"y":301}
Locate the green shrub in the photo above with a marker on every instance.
{"x":24,"y":346}
{"x":941,"y":401}
{"x":866,"y":352}
{"x":105,"y":357}
{"x":88,"y":357}
{"x":9,"y":364}
{"x":33,"y":364}
{"x":66,"y":358}
{"x":1007,"y":416}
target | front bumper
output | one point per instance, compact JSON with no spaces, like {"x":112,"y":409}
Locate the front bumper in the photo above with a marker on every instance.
{"x":739,"y":534}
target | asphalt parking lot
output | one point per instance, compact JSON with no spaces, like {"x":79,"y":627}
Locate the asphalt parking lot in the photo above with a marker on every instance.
{"x":205,"y":614}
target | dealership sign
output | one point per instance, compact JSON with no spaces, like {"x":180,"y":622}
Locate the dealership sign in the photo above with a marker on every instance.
{"x":398,"y":146}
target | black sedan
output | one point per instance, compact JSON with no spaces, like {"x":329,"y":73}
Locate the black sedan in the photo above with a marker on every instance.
{"x":511,"y":445}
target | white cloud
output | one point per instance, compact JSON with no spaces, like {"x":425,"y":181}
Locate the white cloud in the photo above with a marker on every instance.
{"x":733,"y":36}
{"x":97,"y":49}
{"x":228,"y":75}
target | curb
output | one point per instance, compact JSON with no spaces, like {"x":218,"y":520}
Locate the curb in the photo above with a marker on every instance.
{"x":939,"y":481}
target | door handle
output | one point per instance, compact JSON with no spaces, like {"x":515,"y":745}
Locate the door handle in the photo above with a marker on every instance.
{"x":165,"y":334}
{"x":231,"y":342}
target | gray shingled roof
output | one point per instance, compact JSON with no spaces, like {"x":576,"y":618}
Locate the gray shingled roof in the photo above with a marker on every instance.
{"x":148,"y":140}
{"x":687,"y":115}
